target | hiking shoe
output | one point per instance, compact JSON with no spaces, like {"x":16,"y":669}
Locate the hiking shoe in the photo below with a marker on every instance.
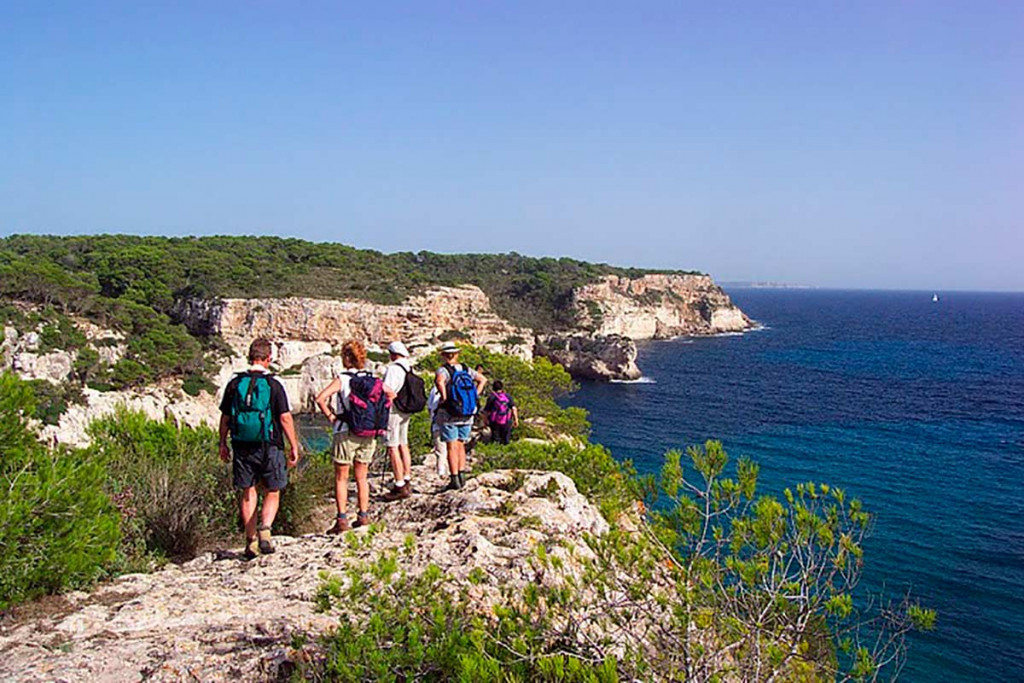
{"x":252,"y":549}
{"x":341,"y":524}
{"x":397,"y":493}
{"x":266,"y":547}
{"x":453,"y":483}
{"x":362,"y":519}
{"x":462,"y":479}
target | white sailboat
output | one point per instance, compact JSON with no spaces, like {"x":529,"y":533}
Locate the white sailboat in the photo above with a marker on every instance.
{"x":935,"y":298}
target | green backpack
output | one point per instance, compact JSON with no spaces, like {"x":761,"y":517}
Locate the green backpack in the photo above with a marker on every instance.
{"x":251,"y":417}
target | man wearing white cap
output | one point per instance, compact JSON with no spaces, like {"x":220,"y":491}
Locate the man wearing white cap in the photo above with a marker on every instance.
{"x":398,"y":424}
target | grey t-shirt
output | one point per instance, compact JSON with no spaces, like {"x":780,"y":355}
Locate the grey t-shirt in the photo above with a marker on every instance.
{"x":442,"y":414}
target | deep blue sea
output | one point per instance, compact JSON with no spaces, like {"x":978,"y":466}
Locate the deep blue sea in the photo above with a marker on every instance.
{"x":915,"y":407}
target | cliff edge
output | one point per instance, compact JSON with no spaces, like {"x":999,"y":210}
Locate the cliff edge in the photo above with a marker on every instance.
{"x":221,"y":618}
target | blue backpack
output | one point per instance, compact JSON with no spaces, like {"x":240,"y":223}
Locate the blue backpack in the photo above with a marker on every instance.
{"x":461,"y":392}
{"x":369,"y":408}
{"x":251,"y":418}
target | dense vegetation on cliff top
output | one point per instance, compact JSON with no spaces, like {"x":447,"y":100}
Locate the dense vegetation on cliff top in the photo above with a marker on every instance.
{"x":131,"y":284}
{"x":85,"y":273}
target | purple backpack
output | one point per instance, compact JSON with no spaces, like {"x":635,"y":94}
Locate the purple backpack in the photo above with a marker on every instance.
{"x":501,"y":410}
{"x":369,"y":407}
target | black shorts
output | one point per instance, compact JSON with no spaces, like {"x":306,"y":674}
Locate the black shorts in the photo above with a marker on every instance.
{"x":254,"y":462}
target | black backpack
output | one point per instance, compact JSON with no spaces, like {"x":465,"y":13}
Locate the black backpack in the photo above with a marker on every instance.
{"x":412,"y":397}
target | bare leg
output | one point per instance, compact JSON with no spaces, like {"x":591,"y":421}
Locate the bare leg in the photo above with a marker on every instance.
{"x":341,"y":487}
{"x":406,"y":460}
{"x":394,"y":452}
{"x":453,"y":456}
{"x":271,"y":501}
{"x":248,"y":500}
{"x":362,"y":486}
{"x":462,"y":456}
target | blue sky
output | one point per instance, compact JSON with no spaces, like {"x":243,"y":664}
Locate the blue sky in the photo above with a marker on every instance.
{"x":862,"y":144}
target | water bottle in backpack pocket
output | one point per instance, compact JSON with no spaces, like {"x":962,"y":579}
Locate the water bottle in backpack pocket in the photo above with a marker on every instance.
{"x":368,"y":406}
{"x":461,"y":392}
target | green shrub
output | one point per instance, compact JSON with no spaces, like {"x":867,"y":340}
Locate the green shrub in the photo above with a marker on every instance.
{"x":173,"y":490}
{"x":196,"y":383}
{"x":52,"y":400}
{"x":419,"y":628}
{"x":309,"y":484}
{"x":535,"y":386}
{"x":58,"y":529}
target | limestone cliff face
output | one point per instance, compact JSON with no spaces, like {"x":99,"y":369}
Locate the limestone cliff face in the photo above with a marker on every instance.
{"x":421,"y":321}
{"x":593,"y":358}
{"x":657,"y":307}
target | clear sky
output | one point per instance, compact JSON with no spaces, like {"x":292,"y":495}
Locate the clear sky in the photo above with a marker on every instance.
{"x":860,"y":144}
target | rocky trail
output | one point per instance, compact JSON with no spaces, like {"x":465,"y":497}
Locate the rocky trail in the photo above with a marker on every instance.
{"x":219,"y":617}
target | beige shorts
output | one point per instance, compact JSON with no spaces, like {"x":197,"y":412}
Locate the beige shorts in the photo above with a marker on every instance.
{"x":349,"y":448}
{"x":398,"y":429}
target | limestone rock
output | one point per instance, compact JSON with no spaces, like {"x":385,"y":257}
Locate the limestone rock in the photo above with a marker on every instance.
{"x":599,"y":358}
{"x":220,"y":618}
{"x":55,"y":366}
{"x":419,"y":321}
{"x":657,"y":307}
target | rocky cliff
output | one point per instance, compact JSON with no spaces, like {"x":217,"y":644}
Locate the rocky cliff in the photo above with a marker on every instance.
{"x":657,"y":307}
{"x":443,"y":313}
{"x":220,"y":618}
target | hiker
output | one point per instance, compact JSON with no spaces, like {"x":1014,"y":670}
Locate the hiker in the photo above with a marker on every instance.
{"x":255,"y":412}
{"x":359,"y":415}
{"x":410,"y":398}
{"x":502,"y":414}
{"x":440,"y":448}
{"x":459,"y":388}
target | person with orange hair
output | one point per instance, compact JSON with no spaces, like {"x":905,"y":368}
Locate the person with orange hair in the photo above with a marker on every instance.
{"x":351,"y":449}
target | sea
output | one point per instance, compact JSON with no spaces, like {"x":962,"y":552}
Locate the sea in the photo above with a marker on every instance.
{"x":912,"y":405}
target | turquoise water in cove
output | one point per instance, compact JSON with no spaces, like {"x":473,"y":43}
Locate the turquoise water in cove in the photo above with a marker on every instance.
{"x":915,"y":407}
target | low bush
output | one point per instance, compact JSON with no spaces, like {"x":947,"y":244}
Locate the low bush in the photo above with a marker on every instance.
{"x":58,"y":528}
{"x":174,"y":493}
{"x":421,"y":628}
{"x":309,"y":485}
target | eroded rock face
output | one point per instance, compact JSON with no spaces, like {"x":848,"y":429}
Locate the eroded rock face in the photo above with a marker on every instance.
{"x":599,"y":358}
{"x":419,"y":321}
{"x":657,"y":307}
{"x":220,"y":618}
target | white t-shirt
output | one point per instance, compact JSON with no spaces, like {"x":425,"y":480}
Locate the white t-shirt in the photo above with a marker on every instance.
{"x":342,"y":402}
{"x":394,"y":376}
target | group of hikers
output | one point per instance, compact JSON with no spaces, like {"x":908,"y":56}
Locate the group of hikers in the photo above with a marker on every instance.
{"x":361,"y":407}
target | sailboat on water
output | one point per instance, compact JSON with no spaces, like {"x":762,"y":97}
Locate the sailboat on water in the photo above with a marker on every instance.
{"x":935,"y":298}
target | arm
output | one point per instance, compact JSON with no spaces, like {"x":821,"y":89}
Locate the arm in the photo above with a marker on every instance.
{"x":321,"y":400}
{"x":288,"y":425}
{"x":440,"y":383}
{"x":225,"y":427}
{"x":480,"y":381}
{"x":515,"y":416}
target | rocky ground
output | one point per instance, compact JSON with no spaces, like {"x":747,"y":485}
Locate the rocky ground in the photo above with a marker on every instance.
{"x":220,"y":617}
